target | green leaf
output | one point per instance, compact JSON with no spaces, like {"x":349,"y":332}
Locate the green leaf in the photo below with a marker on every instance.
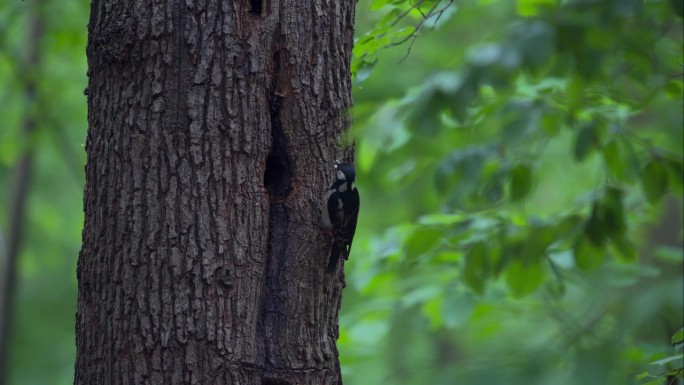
{"x":524,"y":278}
{"x":678,"y":337}
{"x":626,"y":248}
{"x":538,"y":240}
{"x":530,"y":7}
{"x":432,"y":310}
{"x":521,"y":119}
{"x":676,"y":173}
{"x":621,"y":160}
{"x":569,"y":227}
{"x":671,"y":255}
{"x":441,"y":219}
{"x":587,"y":256}
{"x":476,"y":267}
{"x":555,"y":288}
{"x":642,"y":375}
{"x":420,"y":294}
{"x":613,"y":213}
{"x":611,"y":156}
{"x":461,"y":170}
{"x":587,"y":140}
{"x":467,"y":91}
{"x":426,"y":118}
{"x":364,"y":70}
{"x":654,"y":180}
{"x":450,"y":311}
{"x":551,"y":124}
{"x":670,"y":359}
{"x":595,"y":229}
{"x":521,"y":182}
{"x":493,"y":189}
{"x":574,"y":89}
{"x":422,"y":240}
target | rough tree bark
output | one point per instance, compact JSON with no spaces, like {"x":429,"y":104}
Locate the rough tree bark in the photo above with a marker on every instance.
{"x":212,"y":128}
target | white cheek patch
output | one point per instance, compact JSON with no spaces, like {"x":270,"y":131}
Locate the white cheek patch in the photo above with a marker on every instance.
{"x":343,"y":187}
{"x":353,"y":186}
{"x":341,"y":176}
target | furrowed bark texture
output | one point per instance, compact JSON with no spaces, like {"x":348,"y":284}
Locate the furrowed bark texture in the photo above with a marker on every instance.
{"x":212,"y":130}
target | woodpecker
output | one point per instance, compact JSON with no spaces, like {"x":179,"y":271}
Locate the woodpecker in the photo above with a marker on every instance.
{"x":340,"y":211}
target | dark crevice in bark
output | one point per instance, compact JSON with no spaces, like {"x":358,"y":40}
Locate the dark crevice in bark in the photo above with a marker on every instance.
{"x":277,"y":180}
{"x":255,"y":7}
{"x":278,"y":173}
{"x":177,"y":85}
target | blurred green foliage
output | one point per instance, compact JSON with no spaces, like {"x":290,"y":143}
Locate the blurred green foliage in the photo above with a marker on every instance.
{"x":42,"y":341}
{"x":521,"y":170}
{"x":527,"y":160}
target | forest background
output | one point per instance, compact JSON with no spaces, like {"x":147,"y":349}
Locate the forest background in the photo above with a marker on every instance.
{"x":520,"y":164}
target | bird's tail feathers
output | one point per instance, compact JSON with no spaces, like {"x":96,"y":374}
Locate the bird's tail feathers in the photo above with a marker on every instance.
{"x":336,"y":250}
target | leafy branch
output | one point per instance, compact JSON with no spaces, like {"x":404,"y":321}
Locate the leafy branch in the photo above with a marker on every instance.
{"x":388,"y":33}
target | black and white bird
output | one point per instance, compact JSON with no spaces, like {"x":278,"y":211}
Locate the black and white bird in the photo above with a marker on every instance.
{"x":340,"y":211}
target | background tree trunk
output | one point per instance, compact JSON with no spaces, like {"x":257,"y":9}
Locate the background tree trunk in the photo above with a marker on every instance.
{"x":18,"y":190}
{"x":212,"y":128}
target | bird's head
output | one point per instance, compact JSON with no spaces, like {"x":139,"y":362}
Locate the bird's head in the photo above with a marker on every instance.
{"x":345,"y":172}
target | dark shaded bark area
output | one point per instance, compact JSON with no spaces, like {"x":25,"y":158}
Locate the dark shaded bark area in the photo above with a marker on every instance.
{"x":212,"y":128}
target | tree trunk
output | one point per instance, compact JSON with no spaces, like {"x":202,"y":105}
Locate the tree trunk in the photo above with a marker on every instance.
{"x":212,"y":130}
